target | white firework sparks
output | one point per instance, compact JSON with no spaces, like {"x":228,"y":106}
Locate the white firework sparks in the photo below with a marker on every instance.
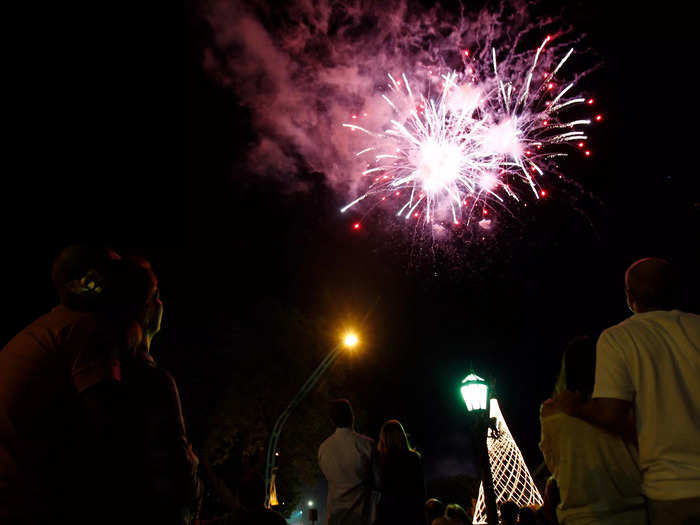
{"x":481,"y":143}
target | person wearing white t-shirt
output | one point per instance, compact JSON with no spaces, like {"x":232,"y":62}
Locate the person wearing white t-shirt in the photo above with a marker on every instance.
{"x":651,"y":362}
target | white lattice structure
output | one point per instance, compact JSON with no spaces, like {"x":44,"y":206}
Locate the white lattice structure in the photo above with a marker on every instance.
{"x":511,"y":479}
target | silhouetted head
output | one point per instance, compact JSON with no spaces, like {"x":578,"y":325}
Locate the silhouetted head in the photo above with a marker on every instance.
{"x":578,"y":367}
{"x":649,"y":285}
{"x":81,"y":274}
{"x":250,"y":491}
{"x":134,"y":297}
{"x":434,"y":508}
{"x":392,"y":440}
{"x":509,"y":512}
{"x":527,"y":516}
{"x":341,"y":413}
{"x":456,"y":513}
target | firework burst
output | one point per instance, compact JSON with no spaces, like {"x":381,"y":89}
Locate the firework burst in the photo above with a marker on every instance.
{"x":482,"y":143}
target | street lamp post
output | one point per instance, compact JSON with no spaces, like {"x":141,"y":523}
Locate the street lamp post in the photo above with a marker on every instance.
{"x":349,"y":341}
{"x":313,"y":513}
{"x":475,"y":392}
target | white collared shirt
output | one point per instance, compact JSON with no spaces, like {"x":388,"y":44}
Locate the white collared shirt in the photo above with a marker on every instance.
{"x":345,"y":459}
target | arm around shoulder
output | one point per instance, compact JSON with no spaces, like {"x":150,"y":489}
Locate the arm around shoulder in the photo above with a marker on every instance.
{"x":608,"y":413}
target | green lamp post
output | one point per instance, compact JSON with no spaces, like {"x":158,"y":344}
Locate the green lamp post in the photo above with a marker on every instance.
{"x":476,"y":394}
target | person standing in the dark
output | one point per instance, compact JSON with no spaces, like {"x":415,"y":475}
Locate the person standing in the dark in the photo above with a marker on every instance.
{"x":346,"y":460}
{"x":401,"y":478}
{"x":509,"y":513}
{"x":160,"y":467}
{"x":67,"y":355}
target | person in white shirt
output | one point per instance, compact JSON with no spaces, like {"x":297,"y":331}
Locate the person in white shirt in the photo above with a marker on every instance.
{"x":346,"y":460}
{"x":651,"y":362}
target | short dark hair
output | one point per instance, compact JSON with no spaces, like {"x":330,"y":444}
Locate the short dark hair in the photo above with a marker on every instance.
{"x":340,"y":412}
{"x":579,"y":365}
{"x":82,"y":261}
{"x":509,"y":511}
{"x":650,"y":283}
{"x":456,"y":512}
{"x":434,"y":508}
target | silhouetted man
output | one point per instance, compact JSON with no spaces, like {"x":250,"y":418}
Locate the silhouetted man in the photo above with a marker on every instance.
{"x":509,"y":513}
{"x":434,"y":512}
{"x":651,"y":362}
{"x":345,"y":459}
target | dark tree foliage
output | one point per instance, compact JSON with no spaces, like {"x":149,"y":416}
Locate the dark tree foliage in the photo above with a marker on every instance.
{"x":276,"y":349}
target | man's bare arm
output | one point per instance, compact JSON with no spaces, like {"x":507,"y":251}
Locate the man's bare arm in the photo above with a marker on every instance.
{"x":613,"y":415}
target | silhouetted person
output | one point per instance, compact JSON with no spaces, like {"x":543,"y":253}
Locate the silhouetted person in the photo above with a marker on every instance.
{"x":547,"y":513}
{"x":526,"y":516}
{"x":251,"y":510}
{"x":434,"y":509}
{"x":43,"y":370}
{"x":597,"y":472}
{"x":401,"y":477}
{"x":456,"y":514}
{"x":651,"y":362}
{"x":345,"y":459}
{"x":164,"y":483}
{"x":509,"y":513}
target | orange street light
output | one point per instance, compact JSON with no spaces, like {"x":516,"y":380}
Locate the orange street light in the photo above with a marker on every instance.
{"x":350,"y":340}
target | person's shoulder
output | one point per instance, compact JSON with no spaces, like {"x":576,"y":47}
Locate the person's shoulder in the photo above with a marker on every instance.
{"x":48,"y":330}
{"x":362,"y":436}
{"x":56,"y":319}
{"x":416,"y":460}
{"x":660,"y":315}
{"x":686,"y":317}
{"x":366,"y":440}
{"x":326,"y":442}
{"x":617,"y":334}
{"x":612,"y":330}
{"x":60,"y":317}
{"x":548,"y":409}
{"x":643,"y":322}
{"x":415,"y":456}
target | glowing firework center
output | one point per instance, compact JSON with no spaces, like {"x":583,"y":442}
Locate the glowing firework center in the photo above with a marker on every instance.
{"x":482,"y":142}
{"x":437,"y":166}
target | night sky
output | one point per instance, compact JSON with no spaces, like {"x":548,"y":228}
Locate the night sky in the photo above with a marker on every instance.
{"x":108,"y":166}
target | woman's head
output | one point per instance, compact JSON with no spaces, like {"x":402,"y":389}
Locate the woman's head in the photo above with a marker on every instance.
{"x":134,"y":297}
{"x":578,"y":366}
{"x":392,"y":439}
